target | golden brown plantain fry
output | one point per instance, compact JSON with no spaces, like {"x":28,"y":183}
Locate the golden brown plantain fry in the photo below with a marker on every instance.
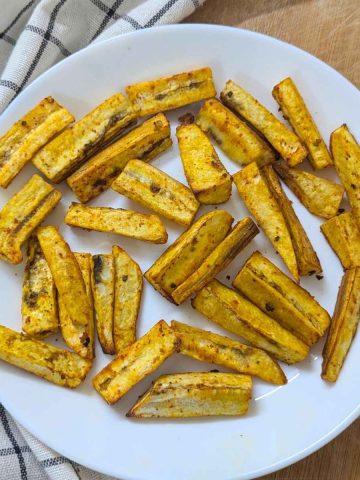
{"x":297,"y":114}
{"x":234,"y":137}
{"x":156,"y":190}
{"x":103,"y":285}
{"x":306,"y":258}
{"x":193,"y":394}
{"x":206,"y":175}
{"x":236,"y":314}
{"x":343,"y":326}
{"x":80,"y":338}
{"x":22,"y":214}
{"x":320,"y":196}
{"x":343,"y":236}
{"x":188,"y":252}
{"x":240,"y":236}
{"x":136,"y":362}
{"x":67,"y":275}
{"x":212,"y":348}
{"x":171,"y":92}
{"x":128,"y":290}
{"x":51,"y":363}
{"x":258,"y":198}
{"x":117,"y":220}
{"x":144,"y":142}
{"x":39,"y":300}
{"x":280,"y":298}
{"x":285,"y":142}
{"x":28,"y":135}
{"x":346,"y":154}
{"x":63,"y":155}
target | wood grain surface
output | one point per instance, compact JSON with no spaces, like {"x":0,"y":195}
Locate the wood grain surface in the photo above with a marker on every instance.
{"x":330,"y":30}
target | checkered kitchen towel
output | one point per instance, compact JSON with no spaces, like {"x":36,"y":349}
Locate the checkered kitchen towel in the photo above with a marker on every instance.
{"x":33,"y":36}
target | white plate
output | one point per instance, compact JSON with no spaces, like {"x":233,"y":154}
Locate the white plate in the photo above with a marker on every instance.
{"x":284,"y":424}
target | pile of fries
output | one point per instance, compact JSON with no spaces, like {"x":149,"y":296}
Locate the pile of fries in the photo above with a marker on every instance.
{"x":86,"y":296}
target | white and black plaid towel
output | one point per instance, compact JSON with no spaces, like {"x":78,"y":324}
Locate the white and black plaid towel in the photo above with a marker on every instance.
{"x":34,"y":35}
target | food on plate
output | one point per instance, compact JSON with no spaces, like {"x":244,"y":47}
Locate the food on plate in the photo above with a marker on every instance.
{"x":206,"y":175}
{"x":188,"y":252}
{"x":144,"y":143}
{"x":60,"y":157}
{"x":117,"y":220}
{"x":128,"y":291}
{"x":234,"y":137}
{"x":22,"y":214}
{"x":280,"y":298}
{"x":320,"y":196}
{"x":213,"y":348}
{"x":306,"y":258}
{"x":67,"y":275}
{"x":258,"y":198}
{"x":239,"y":237}
{"x":39,"y":299}
{"x":297,"y":114}
{"x":34,"y":130}
{"x":233,"y":312}
{"x":283,"y":140}
{"x":182,"y":395}
{"x":103,"y":285}
{"x":80,"y":338}
{"x":156,"y":190}
{"x":171,"y":92}
{"x":136,"y":362}
{"x":58,"y":366}
{"x":343,"y":236}
{"x":346,"y":154}
{"x":343,"y":325}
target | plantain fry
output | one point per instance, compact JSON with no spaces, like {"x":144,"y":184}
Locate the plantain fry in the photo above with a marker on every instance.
{"x":193,"y":394}
{"x":346,"y":154}
{"x":51,"y":363}
{"x":280,"y":298}
{"x":67,"y":275}
{"x":206,"y":175}
{"x":136,"y":362}
{"x":343,"y":236}
{"x":171,"y":92}
{"x":63,"y":155}
{"x":25,"y":138}
{"x":297,"y":114}
{"x":188,"y":252}
{"x":258,"y":198}
{"x":306,"y":258}
{"x":240,"y":236}
{"x":80,"y":338}
{"x":117,"y":220}
{"x":234,"y":137}
{"x":156,"y":190}
{"x":103,"y":284}
{"x":22,"y":214}
{"x":284,"y":141}
{"x":144,"y":143}
{"x":320,"y":196}
{"x":343,"y":326}
{"x":39,"y":302}
{"x":236,"y":314}
{"x":212,"y":348}
{"x":128,"y":290}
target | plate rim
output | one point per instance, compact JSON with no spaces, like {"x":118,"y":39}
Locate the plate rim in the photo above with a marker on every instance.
{"x":355,"y":413}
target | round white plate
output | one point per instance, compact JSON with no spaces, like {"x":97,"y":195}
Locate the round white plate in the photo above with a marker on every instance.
{"x":284,"y":424}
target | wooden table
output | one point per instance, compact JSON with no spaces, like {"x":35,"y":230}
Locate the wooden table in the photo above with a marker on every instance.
{"x":330,"y":30}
